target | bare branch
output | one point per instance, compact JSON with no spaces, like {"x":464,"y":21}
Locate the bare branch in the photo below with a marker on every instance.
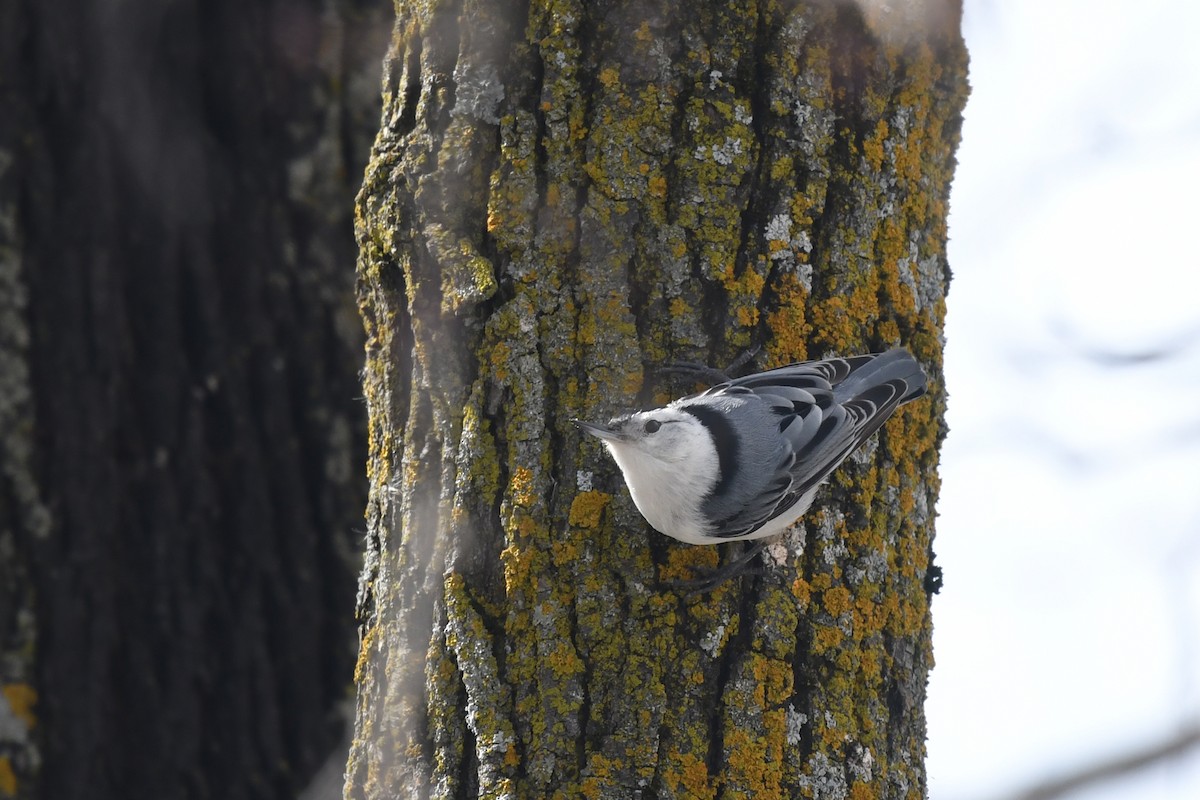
{"x":1171,"y":747}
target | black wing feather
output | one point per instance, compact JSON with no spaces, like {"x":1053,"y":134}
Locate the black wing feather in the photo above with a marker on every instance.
{"x":828,"y":409}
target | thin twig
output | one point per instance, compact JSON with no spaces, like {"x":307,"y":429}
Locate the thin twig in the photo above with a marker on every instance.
{"x":1171,"y":747}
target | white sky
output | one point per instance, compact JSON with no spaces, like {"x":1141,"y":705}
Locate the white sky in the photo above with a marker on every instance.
{"x":1069,"y":530}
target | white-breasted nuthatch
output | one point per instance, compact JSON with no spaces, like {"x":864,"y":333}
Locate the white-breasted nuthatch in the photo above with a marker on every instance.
{"x":744,"y":459}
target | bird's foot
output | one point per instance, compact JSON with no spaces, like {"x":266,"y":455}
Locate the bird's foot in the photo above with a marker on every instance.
{"x":703,"y":372}
{"x":705,"y":580}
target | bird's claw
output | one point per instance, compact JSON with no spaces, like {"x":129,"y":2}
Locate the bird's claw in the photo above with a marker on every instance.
{"x":705,"y":580}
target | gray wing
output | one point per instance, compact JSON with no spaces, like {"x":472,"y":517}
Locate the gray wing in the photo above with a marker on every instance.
{"x":822,"y":411}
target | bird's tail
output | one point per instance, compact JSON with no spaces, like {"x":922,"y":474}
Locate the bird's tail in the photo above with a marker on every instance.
{"x":867,"y":372}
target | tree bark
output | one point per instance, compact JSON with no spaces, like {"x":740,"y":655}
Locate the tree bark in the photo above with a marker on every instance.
{"x":178,"y":412}
{"x":562,"y":198}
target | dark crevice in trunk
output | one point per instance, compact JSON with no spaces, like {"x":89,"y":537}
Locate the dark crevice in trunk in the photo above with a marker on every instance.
{"x":189,"y":373}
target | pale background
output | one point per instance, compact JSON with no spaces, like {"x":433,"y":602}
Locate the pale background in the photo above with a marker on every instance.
{"x":1068,"y":630}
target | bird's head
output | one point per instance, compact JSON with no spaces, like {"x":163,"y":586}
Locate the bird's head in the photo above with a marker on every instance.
{"x":651,"y":443}
{"x":670,"y":464}
{"x":664,"y":434}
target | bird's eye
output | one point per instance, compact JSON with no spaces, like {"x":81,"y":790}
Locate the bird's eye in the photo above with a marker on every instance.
{"x":652,"y":426}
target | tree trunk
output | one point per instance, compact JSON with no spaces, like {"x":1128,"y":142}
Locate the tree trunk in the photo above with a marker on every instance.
{"x":178,"y":412}
{"x":562,"y":198}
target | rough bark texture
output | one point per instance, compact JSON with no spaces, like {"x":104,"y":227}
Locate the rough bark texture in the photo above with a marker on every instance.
{"x":563,"y":197}
{"x":179,"y":456}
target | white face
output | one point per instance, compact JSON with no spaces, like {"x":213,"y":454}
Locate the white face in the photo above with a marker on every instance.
{"x":664,"y":434}
{"x":669,"y":463}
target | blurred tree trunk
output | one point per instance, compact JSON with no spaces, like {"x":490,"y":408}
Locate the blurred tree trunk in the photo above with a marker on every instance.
{"x":179,"y":419}
{"x":562,"y":197}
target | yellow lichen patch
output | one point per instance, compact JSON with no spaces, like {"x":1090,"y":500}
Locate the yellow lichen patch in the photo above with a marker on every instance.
{"x":587,"y":507}
{"x":869,"y":670}
{"x":683,"y":562}
{"x":501,"y":357}
{"x":837,"y":600}
{"x":749,"y":284}
{"x":748,"y":766}
{"x":782,"y":167}
{"x":22,"y":698}
{"x":788,"y":323}
{"x":365,"y":649}
{"x":820,"y":582}
{"x":887,"y":330}
{"x":826,"y":638}
{"x":565,"y":551}
{"x":754,"y":751}
{"x":565,"y":662}
{"x":522,"y":487}
{"x":801,"y":206}
{"x":744,"y":292}
{"x":862,"y":791}
{"x":869,"y":616}
{"x":801,"y":591}
{"x":8,"y":778}
{"x":516,"y":563}
{"x":686,"y":775}
{"x":679,"y":307}
{"x":841,"y":318}
{"x":873,"y":146}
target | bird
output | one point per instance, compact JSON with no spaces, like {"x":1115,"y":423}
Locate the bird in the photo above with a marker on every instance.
{"x":743,"y":460}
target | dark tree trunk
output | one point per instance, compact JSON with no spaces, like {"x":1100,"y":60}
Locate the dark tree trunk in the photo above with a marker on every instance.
{"x":562,"y":197}
{"x":178,"y":356}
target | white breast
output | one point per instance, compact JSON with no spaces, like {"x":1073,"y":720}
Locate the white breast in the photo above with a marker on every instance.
{"x":669,"y":495}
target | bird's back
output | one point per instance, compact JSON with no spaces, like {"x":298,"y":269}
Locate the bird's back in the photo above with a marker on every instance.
{"x":779,"y":434}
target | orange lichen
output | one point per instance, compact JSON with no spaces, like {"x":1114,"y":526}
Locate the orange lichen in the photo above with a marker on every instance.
{"x":522,"y":486}
{"x":8,"y":778}
{"x":22,"y":698}
{"x":837,"y":600}
{"x":587,"y":508}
